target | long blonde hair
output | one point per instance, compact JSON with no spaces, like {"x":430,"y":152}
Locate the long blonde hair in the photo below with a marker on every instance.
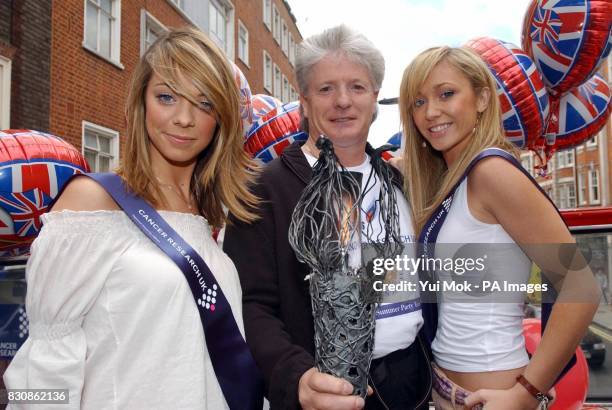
{"x":428,"y":180}
{"x":223,"y":170}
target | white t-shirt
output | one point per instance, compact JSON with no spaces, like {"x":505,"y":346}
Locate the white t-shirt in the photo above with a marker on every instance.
{"x":397,"y":323}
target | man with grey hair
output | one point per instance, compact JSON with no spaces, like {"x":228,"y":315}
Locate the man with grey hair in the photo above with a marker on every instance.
{"x":339,"y":74}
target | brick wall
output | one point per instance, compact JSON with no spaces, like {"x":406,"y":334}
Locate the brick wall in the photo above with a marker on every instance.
{"x":30,"y":80}
{"x":250,"y":12}
{"x":5,"y":21}
{"x":86,"y":87}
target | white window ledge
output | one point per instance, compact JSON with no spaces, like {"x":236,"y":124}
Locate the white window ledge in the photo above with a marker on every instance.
{"x":113,"y":62}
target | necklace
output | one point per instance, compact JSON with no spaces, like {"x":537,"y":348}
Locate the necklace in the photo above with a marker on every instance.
{"x":177,"y":192}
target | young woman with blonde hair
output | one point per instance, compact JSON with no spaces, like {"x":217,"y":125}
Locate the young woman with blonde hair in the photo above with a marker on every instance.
{"x":465,"y":186}
{"x":112,"y":317}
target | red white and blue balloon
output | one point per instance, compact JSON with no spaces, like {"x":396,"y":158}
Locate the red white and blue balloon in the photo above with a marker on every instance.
{"x":246,"y":106}
{"x":520,"y":89}
{"x":568,"y":39}
{"x":396,"y":140}
{"x":580,"y":113}
{"x":274,"y":132}
{"x":34,"y":166}
{"x":262,"y":105}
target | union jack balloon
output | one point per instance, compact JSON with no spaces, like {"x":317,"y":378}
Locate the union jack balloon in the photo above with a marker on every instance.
{"x":263,"y":104}
{"x":396,"y":139}
{"x":520,"y":89}
{"x":275,"y":131}
{"x":246,"y":107}
{"x":581,"y":113}
{"x":568,"y":40}
{"x":33,"y":168}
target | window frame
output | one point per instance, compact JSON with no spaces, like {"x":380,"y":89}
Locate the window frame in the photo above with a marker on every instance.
{"x":594,"y":187}
{"x":285,"y":89}
{"x":228,"y":47}
{"x":563,"y":193}
{"x":148,"y":20}
{"x":277,"y":87}
{"x":285,"y":38}
{"x":105,"y":132}
{"x":565,"y":159}
{"x":276,"y":24}
{"x":115,"y":33}
{"x":267,"y":12}
{"x":269,"y":73}
{"x":291,"y":49}
{"x":245,"y":58}
{"x":582,"y":189}
{"x":5,"y":92}
{"x":292,"y":93}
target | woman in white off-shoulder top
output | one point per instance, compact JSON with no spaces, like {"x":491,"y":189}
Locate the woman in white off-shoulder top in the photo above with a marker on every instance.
{"x":112,"y":318}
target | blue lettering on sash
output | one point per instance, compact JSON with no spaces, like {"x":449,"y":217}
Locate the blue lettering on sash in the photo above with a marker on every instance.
{"x":396,"y":309}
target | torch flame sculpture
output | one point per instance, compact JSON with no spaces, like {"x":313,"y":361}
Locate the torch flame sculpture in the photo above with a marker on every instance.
{"x":325,"y":233}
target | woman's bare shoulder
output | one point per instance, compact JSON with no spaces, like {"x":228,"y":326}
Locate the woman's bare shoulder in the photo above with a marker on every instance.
{"x":85,"y":194}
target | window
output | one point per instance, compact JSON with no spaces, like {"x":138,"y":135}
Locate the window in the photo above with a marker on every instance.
{"x":220,"y":18}
{"x":582,"y":189}
{"x":565,"y":158}
{"x":5,"y":93}
{"x":285,"y":94}
{"x":100,"y":147}
{"x":571,"y":195}
{"x":267,"y":69}
{"x":592,"y":142}
{"x":103,"y":28}
{"x":594,"y":185}
{"x":243,"y":43}
{"x":277,"y":83}
{"x":276,"y":24}
{"x":292,"y":94}
{"x":267,"y":13}
{"x":569,"y":158}
{"x":150,"y":30}
{"x":285,"y":39}
{"x":291,"y":50}
{"x":567,"y":195}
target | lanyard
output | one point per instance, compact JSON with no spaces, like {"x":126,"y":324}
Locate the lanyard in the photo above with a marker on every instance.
{"x":234,"y":366}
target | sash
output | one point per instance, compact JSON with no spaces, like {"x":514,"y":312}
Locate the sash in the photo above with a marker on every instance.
{"x":234,"y":366}
{"x":432,"y":227}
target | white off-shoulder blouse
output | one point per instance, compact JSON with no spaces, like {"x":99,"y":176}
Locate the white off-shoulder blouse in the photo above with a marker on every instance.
{"x":112,"y":318}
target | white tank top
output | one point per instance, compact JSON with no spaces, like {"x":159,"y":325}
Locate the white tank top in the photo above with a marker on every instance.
{"x":481,"y":336}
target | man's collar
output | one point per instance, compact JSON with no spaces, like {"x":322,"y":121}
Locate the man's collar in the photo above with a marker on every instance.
{"x":294,"y":158}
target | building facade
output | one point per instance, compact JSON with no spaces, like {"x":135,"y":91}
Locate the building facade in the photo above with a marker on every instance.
{"x":65,"y":65}
{"x":580,"y":177}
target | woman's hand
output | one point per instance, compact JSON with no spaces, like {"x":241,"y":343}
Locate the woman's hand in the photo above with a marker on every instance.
{"x":515,"y":398}
{"x":320,"y":391}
